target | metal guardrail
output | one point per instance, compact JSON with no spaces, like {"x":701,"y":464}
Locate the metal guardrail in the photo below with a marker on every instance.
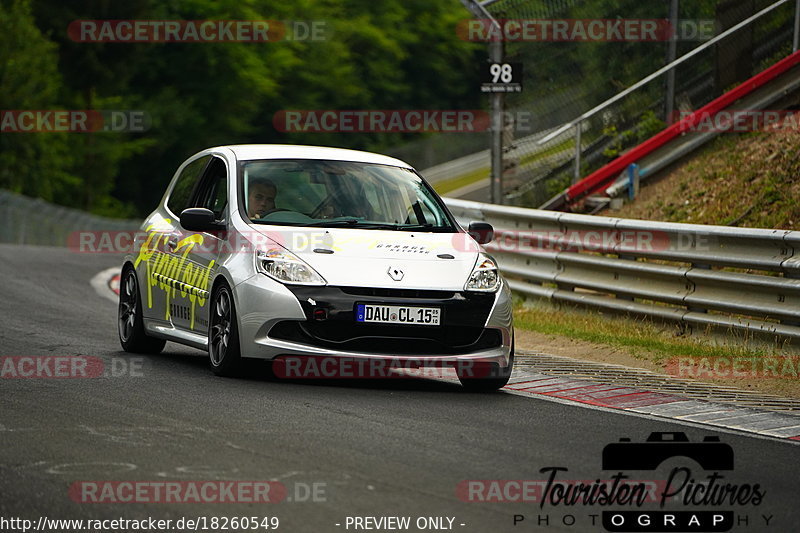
{"x":744,"y":279}
{"x":25,"y":220}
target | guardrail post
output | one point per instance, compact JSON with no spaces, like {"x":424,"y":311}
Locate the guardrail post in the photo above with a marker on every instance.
{"x":633,"y":181}
{"x":627,"y":258}
{"x":791,"y":275}
{"x":700,"y":266}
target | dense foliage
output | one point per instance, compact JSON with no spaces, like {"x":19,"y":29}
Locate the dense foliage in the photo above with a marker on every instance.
{"x":393,"y":54}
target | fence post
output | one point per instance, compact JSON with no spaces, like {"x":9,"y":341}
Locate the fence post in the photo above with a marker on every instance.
{"x":672,"y":52}
{"x":796,"y":39}
{"x":577,"y":172}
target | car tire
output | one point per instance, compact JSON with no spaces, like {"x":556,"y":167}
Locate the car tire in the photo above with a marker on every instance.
{"x":130,"y":322}
{"x":497,"y":379}
{"x":224,"y":353}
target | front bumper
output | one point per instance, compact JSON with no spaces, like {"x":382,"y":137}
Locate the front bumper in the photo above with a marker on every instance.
{"x":287,"y":321}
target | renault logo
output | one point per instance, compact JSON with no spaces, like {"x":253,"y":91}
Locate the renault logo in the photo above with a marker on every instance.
{"x":395,"y":273}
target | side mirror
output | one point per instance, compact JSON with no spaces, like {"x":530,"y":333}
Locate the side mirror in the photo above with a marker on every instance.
{"x":483,"y":232}
{"x":199,"y":219}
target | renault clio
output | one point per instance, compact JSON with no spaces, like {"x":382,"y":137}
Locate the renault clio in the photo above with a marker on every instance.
{"x":280,"y":251}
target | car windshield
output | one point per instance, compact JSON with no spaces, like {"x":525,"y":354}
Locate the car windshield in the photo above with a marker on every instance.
{"x":340,"y":194}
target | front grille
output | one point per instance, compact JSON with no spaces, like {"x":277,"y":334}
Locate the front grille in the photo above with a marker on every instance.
{"x":463,"y":316}
{"x":397,"y":293}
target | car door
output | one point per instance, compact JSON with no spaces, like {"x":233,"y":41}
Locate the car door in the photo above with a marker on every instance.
{"x":194,"y":254}
{"x":155,"y":259}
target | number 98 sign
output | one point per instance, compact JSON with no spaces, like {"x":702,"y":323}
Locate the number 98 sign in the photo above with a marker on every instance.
{"x":501,"y":77}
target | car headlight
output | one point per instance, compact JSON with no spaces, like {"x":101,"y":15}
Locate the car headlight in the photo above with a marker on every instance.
{"x":484,"y":276}
{"x":286,"y":267}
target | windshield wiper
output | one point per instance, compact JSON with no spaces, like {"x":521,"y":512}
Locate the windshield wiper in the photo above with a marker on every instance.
{"x":427,"y":225}
{"x":354,"y":223}
{"x":334,"y":223}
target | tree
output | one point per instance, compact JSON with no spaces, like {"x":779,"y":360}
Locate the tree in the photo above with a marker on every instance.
{"x":35,"y":164}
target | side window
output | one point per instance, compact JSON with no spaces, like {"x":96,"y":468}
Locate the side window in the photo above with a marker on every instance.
{"x":213,"y":191}
{"x":179,"y":197}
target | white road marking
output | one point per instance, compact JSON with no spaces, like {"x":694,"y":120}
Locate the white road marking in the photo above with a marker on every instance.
{"x":100,"y":283}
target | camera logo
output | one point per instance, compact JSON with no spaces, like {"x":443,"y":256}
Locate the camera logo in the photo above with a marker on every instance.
{"x":710,"y":454}
{"x":682,"y":487}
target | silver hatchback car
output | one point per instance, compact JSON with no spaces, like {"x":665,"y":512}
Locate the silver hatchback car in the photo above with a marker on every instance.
{"x":301,"y":254}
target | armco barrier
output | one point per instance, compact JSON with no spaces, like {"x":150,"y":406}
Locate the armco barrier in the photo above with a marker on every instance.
{"x":25,"y":220}
{"x":740,"y":278}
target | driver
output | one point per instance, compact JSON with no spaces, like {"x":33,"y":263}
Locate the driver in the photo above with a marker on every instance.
{"x":261,"y":198}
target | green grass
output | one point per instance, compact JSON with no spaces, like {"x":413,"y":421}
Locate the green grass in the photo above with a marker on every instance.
{"x":641,"y":338}
{"x":446,"y":186}
{"x":569,"y":144}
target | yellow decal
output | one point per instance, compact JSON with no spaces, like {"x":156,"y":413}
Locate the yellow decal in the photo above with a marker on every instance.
{"x":174,"y":274}
{"x":149,"y":247}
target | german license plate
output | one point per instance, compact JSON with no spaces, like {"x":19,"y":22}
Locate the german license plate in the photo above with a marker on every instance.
{"x":398,"y":314}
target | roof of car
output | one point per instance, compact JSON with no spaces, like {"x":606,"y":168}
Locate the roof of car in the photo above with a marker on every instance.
{"x":246,"y":152}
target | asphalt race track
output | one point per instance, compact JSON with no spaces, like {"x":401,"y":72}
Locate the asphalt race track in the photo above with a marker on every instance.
{"x":369,"y":449}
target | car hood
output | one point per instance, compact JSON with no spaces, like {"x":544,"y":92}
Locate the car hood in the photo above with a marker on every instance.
{"x":381,"y":258}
